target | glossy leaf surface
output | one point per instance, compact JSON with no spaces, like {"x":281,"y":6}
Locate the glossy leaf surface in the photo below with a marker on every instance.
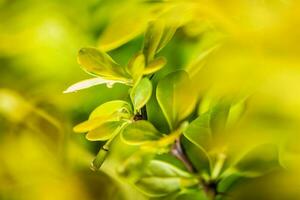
{"x":141,"y":93}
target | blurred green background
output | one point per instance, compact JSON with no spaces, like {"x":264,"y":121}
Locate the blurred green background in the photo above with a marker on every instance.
{"x":40,"y":156}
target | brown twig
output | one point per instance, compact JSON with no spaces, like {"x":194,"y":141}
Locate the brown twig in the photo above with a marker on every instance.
{"x":179,"y":153}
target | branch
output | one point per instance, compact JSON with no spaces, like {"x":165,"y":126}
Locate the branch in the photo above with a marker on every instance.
{"x":179,"y":153}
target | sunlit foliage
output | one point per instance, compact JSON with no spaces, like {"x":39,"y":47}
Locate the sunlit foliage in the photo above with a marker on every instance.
{"x":188,"y":99}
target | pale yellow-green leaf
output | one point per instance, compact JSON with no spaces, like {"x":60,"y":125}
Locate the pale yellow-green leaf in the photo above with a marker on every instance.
{"x":152,"y":39}
{"x":171,"y":138}
{"x":103,"y":132}
{"x":196,"y":65}
{"x":168,"y":33}
{"x":90,"y":83}
{"x":136,"y":66}
{"x":111,"y":107}
{"x":121,"y":30}
{"x":155,"y":65}
{"x":101,"y":64}
{"x":91,"y":124}
{"x":107,"y":112}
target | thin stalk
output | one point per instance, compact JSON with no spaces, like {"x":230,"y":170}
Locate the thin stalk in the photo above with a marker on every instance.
{"x":179,"y":153}
{"x":102,"y":154}
{"x":100,"y":158}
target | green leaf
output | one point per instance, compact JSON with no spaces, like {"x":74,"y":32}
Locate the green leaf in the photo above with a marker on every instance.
{"x":199,"y":131}
{"x":152,"y":39}
{"x":121,"y":30}
{"x":157,"y":36}
{"x":136,"y":66}
{"x":227,"y":182}
{"x":236,"y":111}
{"x":103,"y":132}
{"x":260,"y":160}
{"x":101,"y":64}
{"x":198,"y":156}
{"x":92,"y":123}
{"x":171,"y":159}
{"x":196,"y":65}
{"x":171,"y":138}
{"x":112,"y":111}
{"x":140,"y":132}
{"x":141,"y":93}
{"x":116,"y":106}
{"x":155,"y":65}
{"x":218,"y":118}
{"x":168,"y":33}
{"x":224,"y":112}
{"x":176,"y":97}
{"x":161,"y":178}
{"x":154,"y":112}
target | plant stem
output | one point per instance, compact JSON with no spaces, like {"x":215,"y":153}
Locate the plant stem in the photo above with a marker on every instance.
{"x":102,"y":154}
{"x":98,"y":161}
{"x":210,"y":187}
{"x":179,"y":153}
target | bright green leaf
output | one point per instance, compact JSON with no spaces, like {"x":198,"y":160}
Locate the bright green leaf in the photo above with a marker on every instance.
{"x":155,"y":65}
{"x":136,"y":66}
{"x":199,"y":131}
{"x":176,"y":97}
{"x":92,"y":123}
{"x":112,"y":107}
{"x":157,"y":36}
{"x":141,"y":93}
{"x":109,"y":111}
{"x":218,"y":116}
{"x":140,"y":132}
{"x":154,"y":112}
{"x":217,"y":111}
{"x":121,"y":30}
{"x":171,"y":138}
{"x":152,"y":39}
{"x":235,"y":112}
{"x":101,"y":64}
{"x":103,"y":132}
{"x":196,"y":65}
{"x":168,"y":33}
